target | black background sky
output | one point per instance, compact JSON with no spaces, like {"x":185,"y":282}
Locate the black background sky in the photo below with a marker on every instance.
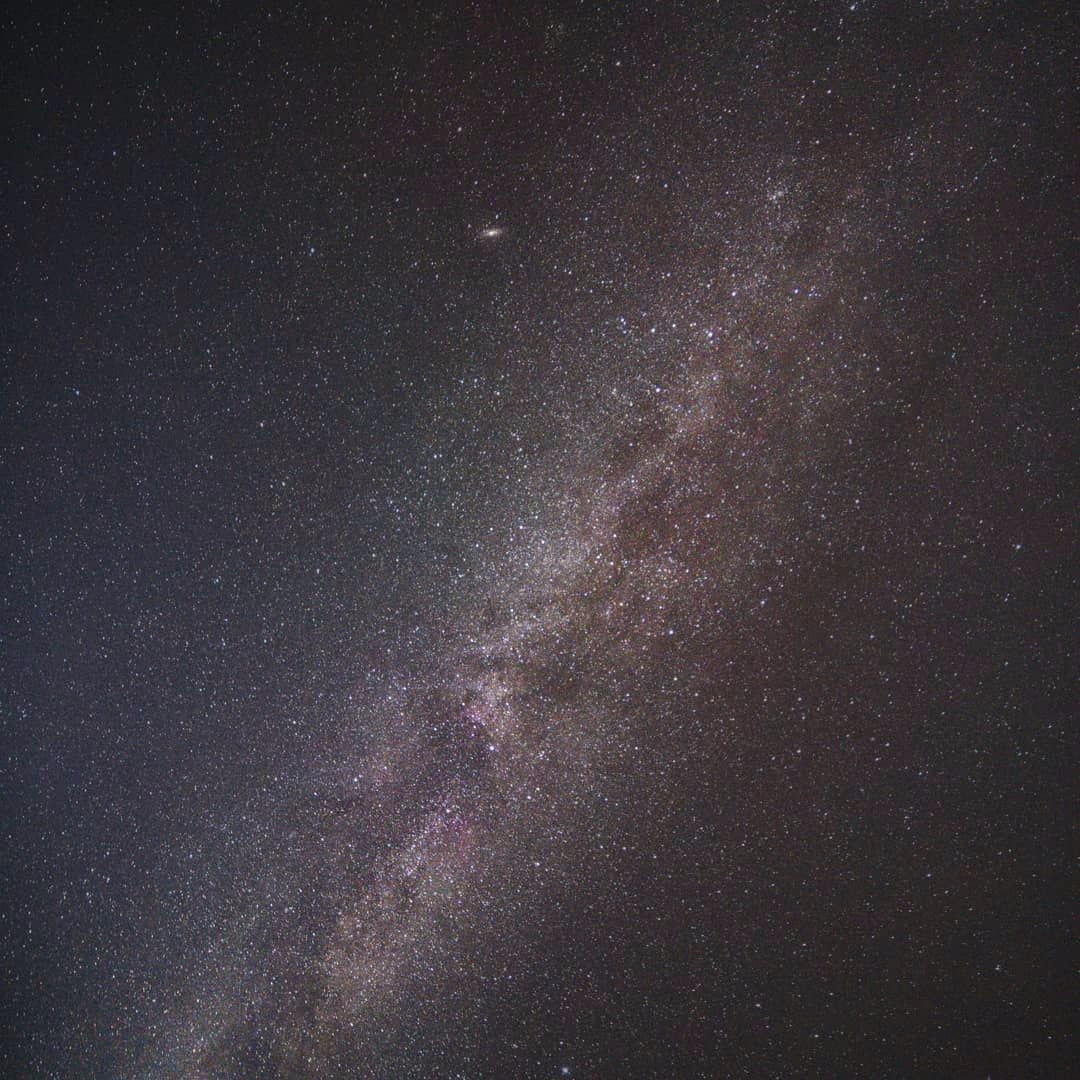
{"x":538,"y":540}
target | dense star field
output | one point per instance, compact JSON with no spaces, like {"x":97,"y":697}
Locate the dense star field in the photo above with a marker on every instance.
{"x":538,"y":541}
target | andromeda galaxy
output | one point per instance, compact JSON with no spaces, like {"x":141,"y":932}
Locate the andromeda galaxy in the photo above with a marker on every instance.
{"x":539,"y":542}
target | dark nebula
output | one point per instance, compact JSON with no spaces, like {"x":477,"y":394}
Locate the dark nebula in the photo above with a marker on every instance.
{"x":539,"y":541}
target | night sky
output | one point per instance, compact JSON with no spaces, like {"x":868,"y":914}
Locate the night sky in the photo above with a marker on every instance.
{"x":538,"y":540}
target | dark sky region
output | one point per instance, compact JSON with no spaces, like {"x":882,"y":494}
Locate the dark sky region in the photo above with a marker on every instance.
{"x":538,"y":540}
